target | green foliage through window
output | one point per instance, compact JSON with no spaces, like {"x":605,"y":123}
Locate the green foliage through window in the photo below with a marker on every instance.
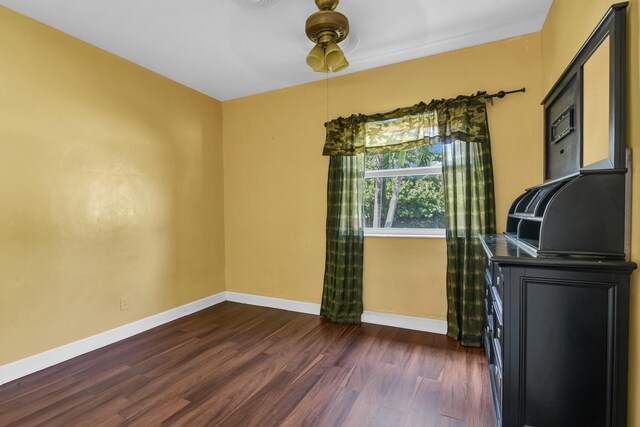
{"x":406,"y":197}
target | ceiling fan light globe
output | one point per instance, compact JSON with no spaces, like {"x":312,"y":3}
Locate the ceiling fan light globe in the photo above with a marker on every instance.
{"x":333,"y":55}
{"x":341,"y":66}
{"x":323,"y":69}
{"x":315,"y":58}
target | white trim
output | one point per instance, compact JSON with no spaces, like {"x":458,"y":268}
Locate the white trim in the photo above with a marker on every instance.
{"x":407,"y":236}
{"x":423,"y":324}
{"x":396,"y":320}
{"x":35,"y":363}
{"x":279,"y":303}
{"x":425,"y":170}
{"x":404,"y":232}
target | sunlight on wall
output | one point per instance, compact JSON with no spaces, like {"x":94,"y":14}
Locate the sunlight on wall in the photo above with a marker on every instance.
{"x":110,"y":186}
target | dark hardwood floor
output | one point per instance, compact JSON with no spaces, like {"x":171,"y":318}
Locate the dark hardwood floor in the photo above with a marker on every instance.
{"x":240,"y":365}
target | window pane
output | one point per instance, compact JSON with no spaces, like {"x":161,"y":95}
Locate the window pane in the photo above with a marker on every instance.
{"x":404,"y":202}
{"x":426,"y":155}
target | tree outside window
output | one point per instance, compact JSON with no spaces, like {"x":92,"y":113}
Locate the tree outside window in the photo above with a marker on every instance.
{"x":403,"y":192}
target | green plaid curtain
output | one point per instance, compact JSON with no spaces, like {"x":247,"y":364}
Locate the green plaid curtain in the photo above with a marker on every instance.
{"x":342,"y":292}
{"x":470,"y":210}
{"x":456,"y":123}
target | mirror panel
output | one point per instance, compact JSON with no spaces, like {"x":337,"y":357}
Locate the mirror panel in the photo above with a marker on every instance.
{"x":595,"y":104}
{"x":590,"y":121}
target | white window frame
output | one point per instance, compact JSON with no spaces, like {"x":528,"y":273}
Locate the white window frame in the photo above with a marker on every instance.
{"x":404,"y":232}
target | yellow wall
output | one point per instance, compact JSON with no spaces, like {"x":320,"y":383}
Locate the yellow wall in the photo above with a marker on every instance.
{"x":560,"y":42}
{"x":110,"y":185}
{"x":111,"y":179}
{"x":275,"y":175}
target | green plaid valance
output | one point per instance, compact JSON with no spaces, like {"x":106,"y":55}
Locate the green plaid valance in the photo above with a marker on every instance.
{"x":440,"y":121}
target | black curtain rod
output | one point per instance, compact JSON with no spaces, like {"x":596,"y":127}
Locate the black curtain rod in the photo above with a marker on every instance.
{"x":500,"y":94}
{"x":481,"y":94}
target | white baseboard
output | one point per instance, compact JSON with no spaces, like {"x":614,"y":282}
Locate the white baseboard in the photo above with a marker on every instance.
{"x":423,"y":324}
{"x":35,"y":363}
{"x":396,"y":320}
{"x":282,"y":304}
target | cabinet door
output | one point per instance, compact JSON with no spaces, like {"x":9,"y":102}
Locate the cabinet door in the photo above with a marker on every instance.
{"x":565,"y":332}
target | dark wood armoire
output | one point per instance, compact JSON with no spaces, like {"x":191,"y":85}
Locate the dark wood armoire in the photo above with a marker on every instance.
{"x":556,"y":301}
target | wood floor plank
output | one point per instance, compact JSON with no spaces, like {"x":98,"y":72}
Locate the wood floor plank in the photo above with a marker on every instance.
{"x":312,"y":405}
{"x":445,"y":421}
{"x":481,"y":398}
{"x":175,"y":383}
{"x":52,"y":399}
{"x":235,"y":364}
{"x":424,"y":408}
{"x":368,"y":360}
{"x":367,"y":405}
{"x":457,"y":383}
{"x":251,"y":413}
{"x":387,"y":417}
{"x":338,"y":408}
{"x":47,"y":409}
{"x":397,"y":352}
{"x":90,"y":412}
{"x":157,"y":414}
{"x":219,"y":406}
{"x":291,"y":397}
{"x":25,"y":395}
{"x":402,"y":392}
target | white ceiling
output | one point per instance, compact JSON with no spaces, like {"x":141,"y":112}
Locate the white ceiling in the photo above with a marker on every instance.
{"x":229,"y":48}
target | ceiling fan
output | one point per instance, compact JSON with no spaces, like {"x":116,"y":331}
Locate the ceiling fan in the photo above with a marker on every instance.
{"x":326,"y":28}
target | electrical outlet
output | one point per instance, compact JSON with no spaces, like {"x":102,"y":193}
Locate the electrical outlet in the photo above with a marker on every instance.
{"x":124,"y":303}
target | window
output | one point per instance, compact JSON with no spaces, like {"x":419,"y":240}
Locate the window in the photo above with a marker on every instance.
{"x":403,"y":192}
